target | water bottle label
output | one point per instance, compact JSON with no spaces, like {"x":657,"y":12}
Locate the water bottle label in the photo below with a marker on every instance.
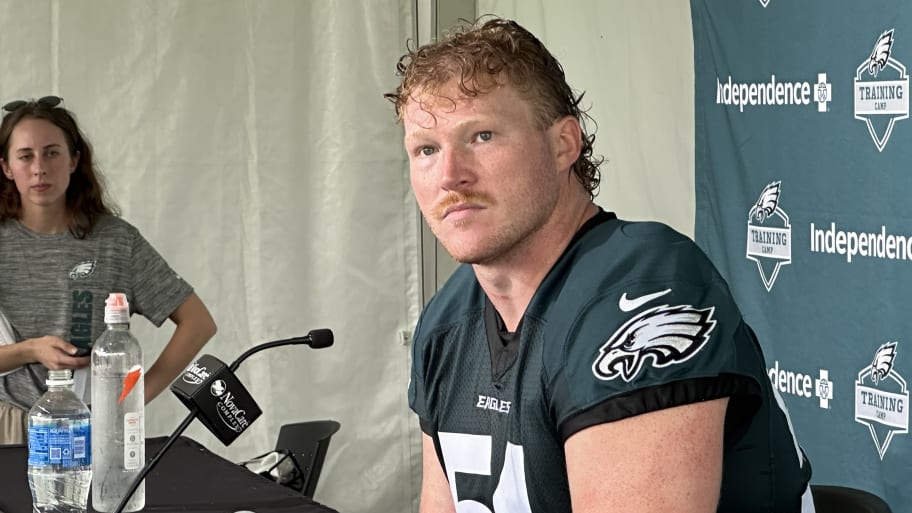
{"x":67,"y":445}
{"x":133,"y":441}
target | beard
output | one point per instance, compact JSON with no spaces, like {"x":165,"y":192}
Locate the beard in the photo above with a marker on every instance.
{"x":480,"y":242}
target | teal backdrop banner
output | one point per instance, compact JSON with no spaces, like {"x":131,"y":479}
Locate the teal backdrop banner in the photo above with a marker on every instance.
{"x":803,"y":179}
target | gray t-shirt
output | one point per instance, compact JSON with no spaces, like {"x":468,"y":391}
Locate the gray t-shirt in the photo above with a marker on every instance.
{"x":57,"y":285}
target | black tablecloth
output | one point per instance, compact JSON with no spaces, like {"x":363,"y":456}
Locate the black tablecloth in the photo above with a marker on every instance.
{"x":187,"y":478}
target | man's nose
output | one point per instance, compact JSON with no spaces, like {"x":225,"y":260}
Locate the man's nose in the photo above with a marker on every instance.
{"x":456,"y":168}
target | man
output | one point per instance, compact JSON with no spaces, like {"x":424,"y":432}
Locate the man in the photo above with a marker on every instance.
{"x":578,"y":362}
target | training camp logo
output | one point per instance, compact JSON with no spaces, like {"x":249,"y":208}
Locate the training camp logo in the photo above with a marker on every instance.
{"x":769,"y":235}
{"x":802,"y":385}
{"x":764,"y":3}
{"x":881,"y":91}
{"x":664,"y":334}
{"x":774,"y":92}
{"x":881,"y":398}
{"x":82,"y":270}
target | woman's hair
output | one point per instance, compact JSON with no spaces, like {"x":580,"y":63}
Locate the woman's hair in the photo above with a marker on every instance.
{"x":86,"y":199}
{"x":482,"y":55}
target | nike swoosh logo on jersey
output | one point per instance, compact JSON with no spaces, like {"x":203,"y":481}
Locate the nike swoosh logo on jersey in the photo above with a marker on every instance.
{"x":629,"y":305}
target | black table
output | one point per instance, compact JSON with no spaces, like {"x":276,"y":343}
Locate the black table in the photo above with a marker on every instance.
{"x":187,"y":478}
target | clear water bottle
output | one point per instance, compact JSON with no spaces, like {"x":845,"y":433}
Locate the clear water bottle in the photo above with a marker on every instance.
{"x":59,"y":441}
{"x":118,"y":411}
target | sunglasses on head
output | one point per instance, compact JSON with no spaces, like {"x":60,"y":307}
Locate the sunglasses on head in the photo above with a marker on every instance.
{"x":45,"y":101}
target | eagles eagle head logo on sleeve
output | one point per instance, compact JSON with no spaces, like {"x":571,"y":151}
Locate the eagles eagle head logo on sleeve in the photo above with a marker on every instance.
{"x":661,"y":336}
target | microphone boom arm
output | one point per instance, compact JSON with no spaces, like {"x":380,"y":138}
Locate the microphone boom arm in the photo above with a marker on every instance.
{"x":324,"y":340}
{"x":256,"y":349}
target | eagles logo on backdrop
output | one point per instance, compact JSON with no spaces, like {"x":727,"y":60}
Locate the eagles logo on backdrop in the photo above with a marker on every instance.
{"x":882,"y":399}
{"x":660,"y":336}
{"x":764,"y":3}
{"x":881,"y":91}
{"x":769,"y":235}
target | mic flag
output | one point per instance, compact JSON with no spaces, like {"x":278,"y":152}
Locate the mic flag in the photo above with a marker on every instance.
{"x":223,"y":404}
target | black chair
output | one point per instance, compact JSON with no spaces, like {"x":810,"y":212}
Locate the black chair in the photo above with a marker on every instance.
{"x":307,"y":442}
{"x":842,"y":499}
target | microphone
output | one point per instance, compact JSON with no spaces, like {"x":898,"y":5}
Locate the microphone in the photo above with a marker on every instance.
{"x":317,"y":339}
{"x":212,"y":392}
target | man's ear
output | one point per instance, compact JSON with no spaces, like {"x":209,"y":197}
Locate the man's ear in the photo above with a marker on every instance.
{"x":6,"y":169}
{"x":566,"y":139}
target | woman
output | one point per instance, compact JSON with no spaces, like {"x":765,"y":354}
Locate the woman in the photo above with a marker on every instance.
{"x":62,"y":250}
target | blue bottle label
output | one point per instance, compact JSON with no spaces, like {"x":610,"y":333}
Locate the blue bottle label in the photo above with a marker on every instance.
{"x":66,"y":445}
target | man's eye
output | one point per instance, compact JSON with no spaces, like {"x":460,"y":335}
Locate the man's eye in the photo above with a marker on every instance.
{"x":426,"y":150}
{"x":485,"y":135}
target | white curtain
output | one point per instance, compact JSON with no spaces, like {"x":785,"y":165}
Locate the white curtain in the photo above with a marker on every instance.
{"x":634,"y":59}
{"x":249,"y":142}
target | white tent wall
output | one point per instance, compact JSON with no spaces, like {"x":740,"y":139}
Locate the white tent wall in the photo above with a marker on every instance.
{"x":634,"y":60}
{"x":249,"y":142}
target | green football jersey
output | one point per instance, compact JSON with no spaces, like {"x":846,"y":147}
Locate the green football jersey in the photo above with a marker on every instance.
{"x":632,"y":318}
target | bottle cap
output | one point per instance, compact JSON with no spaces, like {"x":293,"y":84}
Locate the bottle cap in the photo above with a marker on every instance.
{"x":59,"y":377}
{"x":117,"y":309}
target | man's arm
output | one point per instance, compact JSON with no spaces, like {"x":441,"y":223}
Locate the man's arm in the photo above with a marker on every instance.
{"x":666,"y":460}
{"x":194,"y":328}
{"x":435,"y":491}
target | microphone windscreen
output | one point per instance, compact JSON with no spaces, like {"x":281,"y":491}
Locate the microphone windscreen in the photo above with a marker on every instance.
{"x":321,"y":338}
{"x":222,"y":402}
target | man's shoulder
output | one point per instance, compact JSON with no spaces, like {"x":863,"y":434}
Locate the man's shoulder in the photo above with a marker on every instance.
{"x":632,"y":276}
{"x":459,"y":297}
{"x":620,"y":255}
{"x":636,"y":238}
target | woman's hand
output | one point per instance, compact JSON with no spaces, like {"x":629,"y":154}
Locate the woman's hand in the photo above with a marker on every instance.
{"x":54,"y":353}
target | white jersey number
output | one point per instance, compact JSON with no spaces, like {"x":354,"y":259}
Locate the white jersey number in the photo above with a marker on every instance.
{"x":471,"y":454}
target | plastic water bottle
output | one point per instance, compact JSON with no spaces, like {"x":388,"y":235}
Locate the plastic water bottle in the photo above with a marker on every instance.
{"x":118,"y":411}
{"x":59,"y":441}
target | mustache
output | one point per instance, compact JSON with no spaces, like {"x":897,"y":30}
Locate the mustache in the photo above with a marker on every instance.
{"x":457,"y":198}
